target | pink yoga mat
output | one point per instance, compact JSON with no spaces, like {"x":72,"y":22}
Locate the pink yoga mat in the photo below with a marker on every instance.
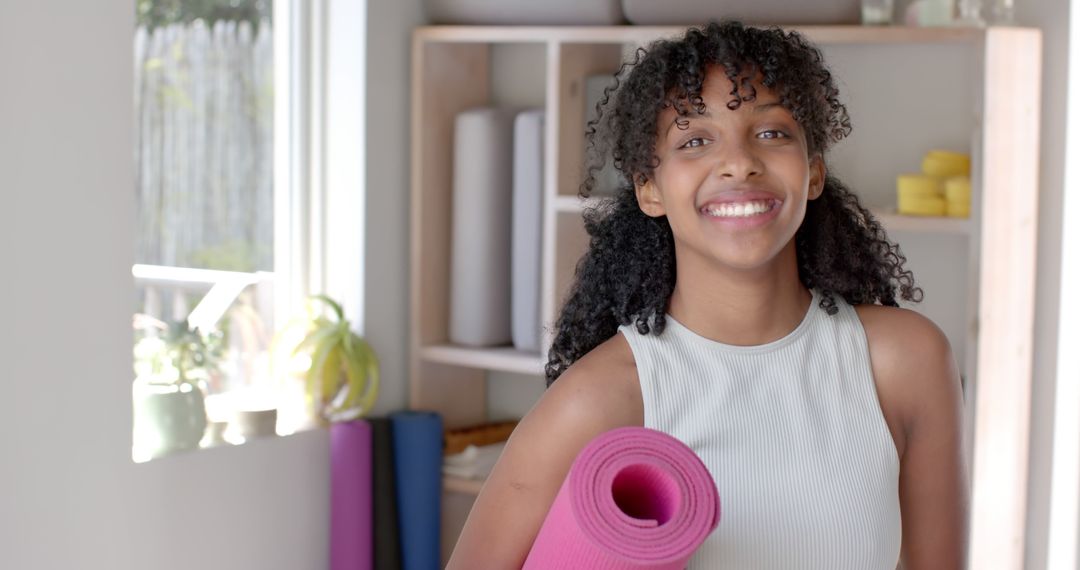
{"x":634,"y":498}
{"x":351,"y":531}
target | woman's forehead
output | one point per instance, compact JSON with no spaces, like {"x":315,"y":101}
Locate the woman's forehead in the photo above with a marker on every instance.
{"x":717,"y":91}
{"x":718,"y":85}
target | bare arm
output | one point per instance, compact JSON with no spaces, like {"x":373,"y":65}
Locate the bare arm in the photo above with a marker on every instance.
{"x":593,"y":396}
{"x":917,"y":372}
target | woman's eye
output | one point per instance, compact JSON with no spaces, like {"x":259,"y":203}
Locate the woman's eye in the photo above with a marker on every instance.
{"x":693,"y":143}
{"x":772,"y":134}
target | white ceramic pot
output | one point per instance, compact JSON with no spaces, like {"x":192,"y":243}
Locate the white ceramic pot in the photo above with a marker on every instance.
{"x":168,"y":417}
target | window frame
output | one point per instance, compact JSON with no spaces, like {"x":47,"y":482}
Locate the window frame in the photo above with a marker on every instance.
{"x":320,"y":64}
{"x":318,"y":158}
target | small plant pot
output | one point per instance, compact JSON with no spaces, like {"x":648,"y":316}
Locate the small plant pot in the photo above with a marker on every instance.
{"x":168,"y":417}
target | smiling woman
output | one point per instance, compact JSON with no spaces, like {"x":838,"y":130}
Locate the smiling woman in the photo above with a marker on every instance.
{"x":736,"y":296}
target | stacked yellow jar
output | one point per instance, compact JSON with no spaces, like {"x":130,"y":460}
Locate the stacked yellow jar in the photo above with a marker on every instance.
{"x":943,"y":188}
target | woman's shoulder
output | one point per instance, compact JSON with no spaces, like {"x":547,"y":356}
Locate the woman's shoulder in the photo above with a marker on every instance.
{"x":894,"y":334}
{"x":911,"y":360}
{"x":603,"y":380}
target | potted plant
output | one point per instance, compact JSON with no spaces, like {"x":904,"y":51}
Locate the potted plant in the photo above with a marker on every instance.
{"x":173,"y":364}
{"x":338,"y":368}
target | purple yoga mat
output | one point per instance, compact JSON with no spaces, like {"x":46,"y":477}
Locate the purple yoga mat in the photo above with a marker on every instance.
{"x":350,"y":496}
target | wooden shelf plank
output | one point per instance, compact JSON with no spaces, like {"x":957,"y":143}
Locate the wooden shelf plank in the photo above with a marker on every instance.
{"x":463,"y":486}
{"x":572,"y":204}
{"x":503,"y":359}
{"x":923,"y":224}
{"x":825,"y":35}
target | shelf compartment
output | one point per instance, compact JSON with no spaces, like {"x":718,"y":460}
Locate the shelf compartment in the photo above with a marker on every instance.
{"x":502,"y":359}
{"x":923,"y":224}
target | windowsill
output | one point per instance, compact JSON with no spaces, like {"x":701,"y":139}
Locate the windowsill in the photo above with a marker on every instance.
{"x":232,"y":420}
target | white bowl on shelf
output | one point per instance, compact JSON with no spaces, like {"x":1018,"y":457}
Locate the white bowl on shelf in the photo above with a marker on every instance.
{"x":761,"y":12}
{"x":525,"y":12}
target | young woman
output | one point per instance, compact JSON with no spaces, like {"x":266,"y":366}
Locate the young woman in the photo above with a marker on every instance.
{"x":739,"y":298}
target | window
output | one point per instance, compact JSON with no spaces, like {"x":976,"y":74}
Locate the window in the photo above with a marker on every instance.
{"x":244,"y":197}
{"x":205,"y":272}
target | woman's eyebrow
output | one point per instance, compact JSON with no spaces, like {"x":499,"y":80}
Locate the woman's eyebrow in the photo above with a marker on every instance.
{"x":762,"y":107}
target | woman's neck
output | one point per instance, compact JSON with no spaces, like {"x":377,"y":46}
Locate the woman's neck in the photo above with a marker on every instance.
{"x":739,"y":307}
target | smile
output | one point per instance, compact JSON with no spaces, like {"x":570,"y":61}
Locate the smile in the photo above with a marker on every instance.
{"x":739,"y":209}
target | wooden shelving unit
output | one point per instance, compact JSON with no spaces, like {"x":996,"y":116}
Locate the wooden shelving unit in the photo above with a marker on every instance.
{"x":501,"y":359}
{"x":452,"y":71}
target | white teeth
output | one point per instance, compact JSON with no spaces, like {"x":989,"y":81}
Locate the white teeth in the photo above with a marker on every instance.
{"x":740,"y":210}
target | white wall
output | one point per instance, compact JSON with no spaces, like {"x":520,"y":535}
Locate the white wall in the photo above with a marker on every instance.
{"x":390,"y":24}
{"x":71,"y":496}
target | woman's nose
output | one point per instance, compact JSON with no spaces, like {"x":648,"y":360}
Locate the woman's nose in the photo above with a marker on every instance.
{"x":737,"y":161}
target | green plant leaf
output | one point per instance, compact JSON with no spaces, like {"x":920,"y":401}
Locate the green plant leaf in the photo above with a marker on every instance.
{"x":362,"y":373}
{"x":333,"y":305}
{"x":371,"y":364}
{"x":349,"y":342}
{"x":315,"y":338}
{"x":331,"y":375}
{"x":354,"y":373}
{"x":320,"y":354}
{"x":343,"y":380}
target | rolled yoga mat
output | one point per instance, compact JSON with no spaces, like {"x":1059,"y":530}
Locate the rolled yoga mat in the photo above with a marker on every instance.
{"x":480,"y":227}
{"x":418,"y":438}
{"x":634,"y":498}
{"x":350,"y":496}
{"x":387,"y":538}
{"x":526,"y":236}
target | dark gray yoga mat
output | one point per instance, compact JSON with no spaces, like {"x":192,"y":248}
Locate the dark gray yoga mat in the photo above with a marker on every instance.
{"x":387,"y":539}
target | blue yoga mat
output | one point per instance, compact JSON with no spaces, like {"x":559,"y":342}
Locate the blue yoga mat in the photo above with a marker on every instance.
{"x":418,"y":444}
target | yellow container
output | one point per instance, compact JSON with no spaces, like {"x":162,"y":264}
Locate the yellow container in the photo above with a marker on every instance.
{"x":922,"y":206}
{"x":946,"y":163}
{"x":958,"y":209}
{"x":920,"y":195}
{"x":917,"y":185}
{"x":958,"y":197}
{"x":958,"y":189}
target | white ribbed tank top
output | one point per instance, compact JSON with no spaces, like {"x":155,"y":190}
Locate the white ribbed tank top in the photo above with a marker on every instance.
{"x":793,"y":434}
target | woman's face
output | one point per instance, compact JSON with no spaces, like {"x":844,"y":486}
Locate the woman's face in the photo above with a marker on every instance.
{"x":733,"y":184}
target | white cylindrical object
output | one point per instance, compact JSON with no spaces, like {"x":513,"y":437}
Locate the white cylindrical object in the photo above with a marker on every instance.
{"x":528,"y":215}
{"x":480,"y":233}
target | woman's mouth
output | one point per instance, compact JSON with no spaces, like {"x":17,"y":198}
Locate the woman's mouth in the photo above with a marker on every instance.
{"x":740,"y":210}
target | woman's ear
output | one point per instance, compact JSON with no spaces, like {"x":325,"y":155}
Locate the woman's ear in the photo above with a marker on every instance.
{"x":817,"y":177}
{"x":648,"y":199}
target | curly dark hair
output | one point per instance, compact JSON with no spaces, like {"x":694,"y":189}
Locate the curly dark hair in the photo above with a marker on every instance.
{"x":628,"y":273}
